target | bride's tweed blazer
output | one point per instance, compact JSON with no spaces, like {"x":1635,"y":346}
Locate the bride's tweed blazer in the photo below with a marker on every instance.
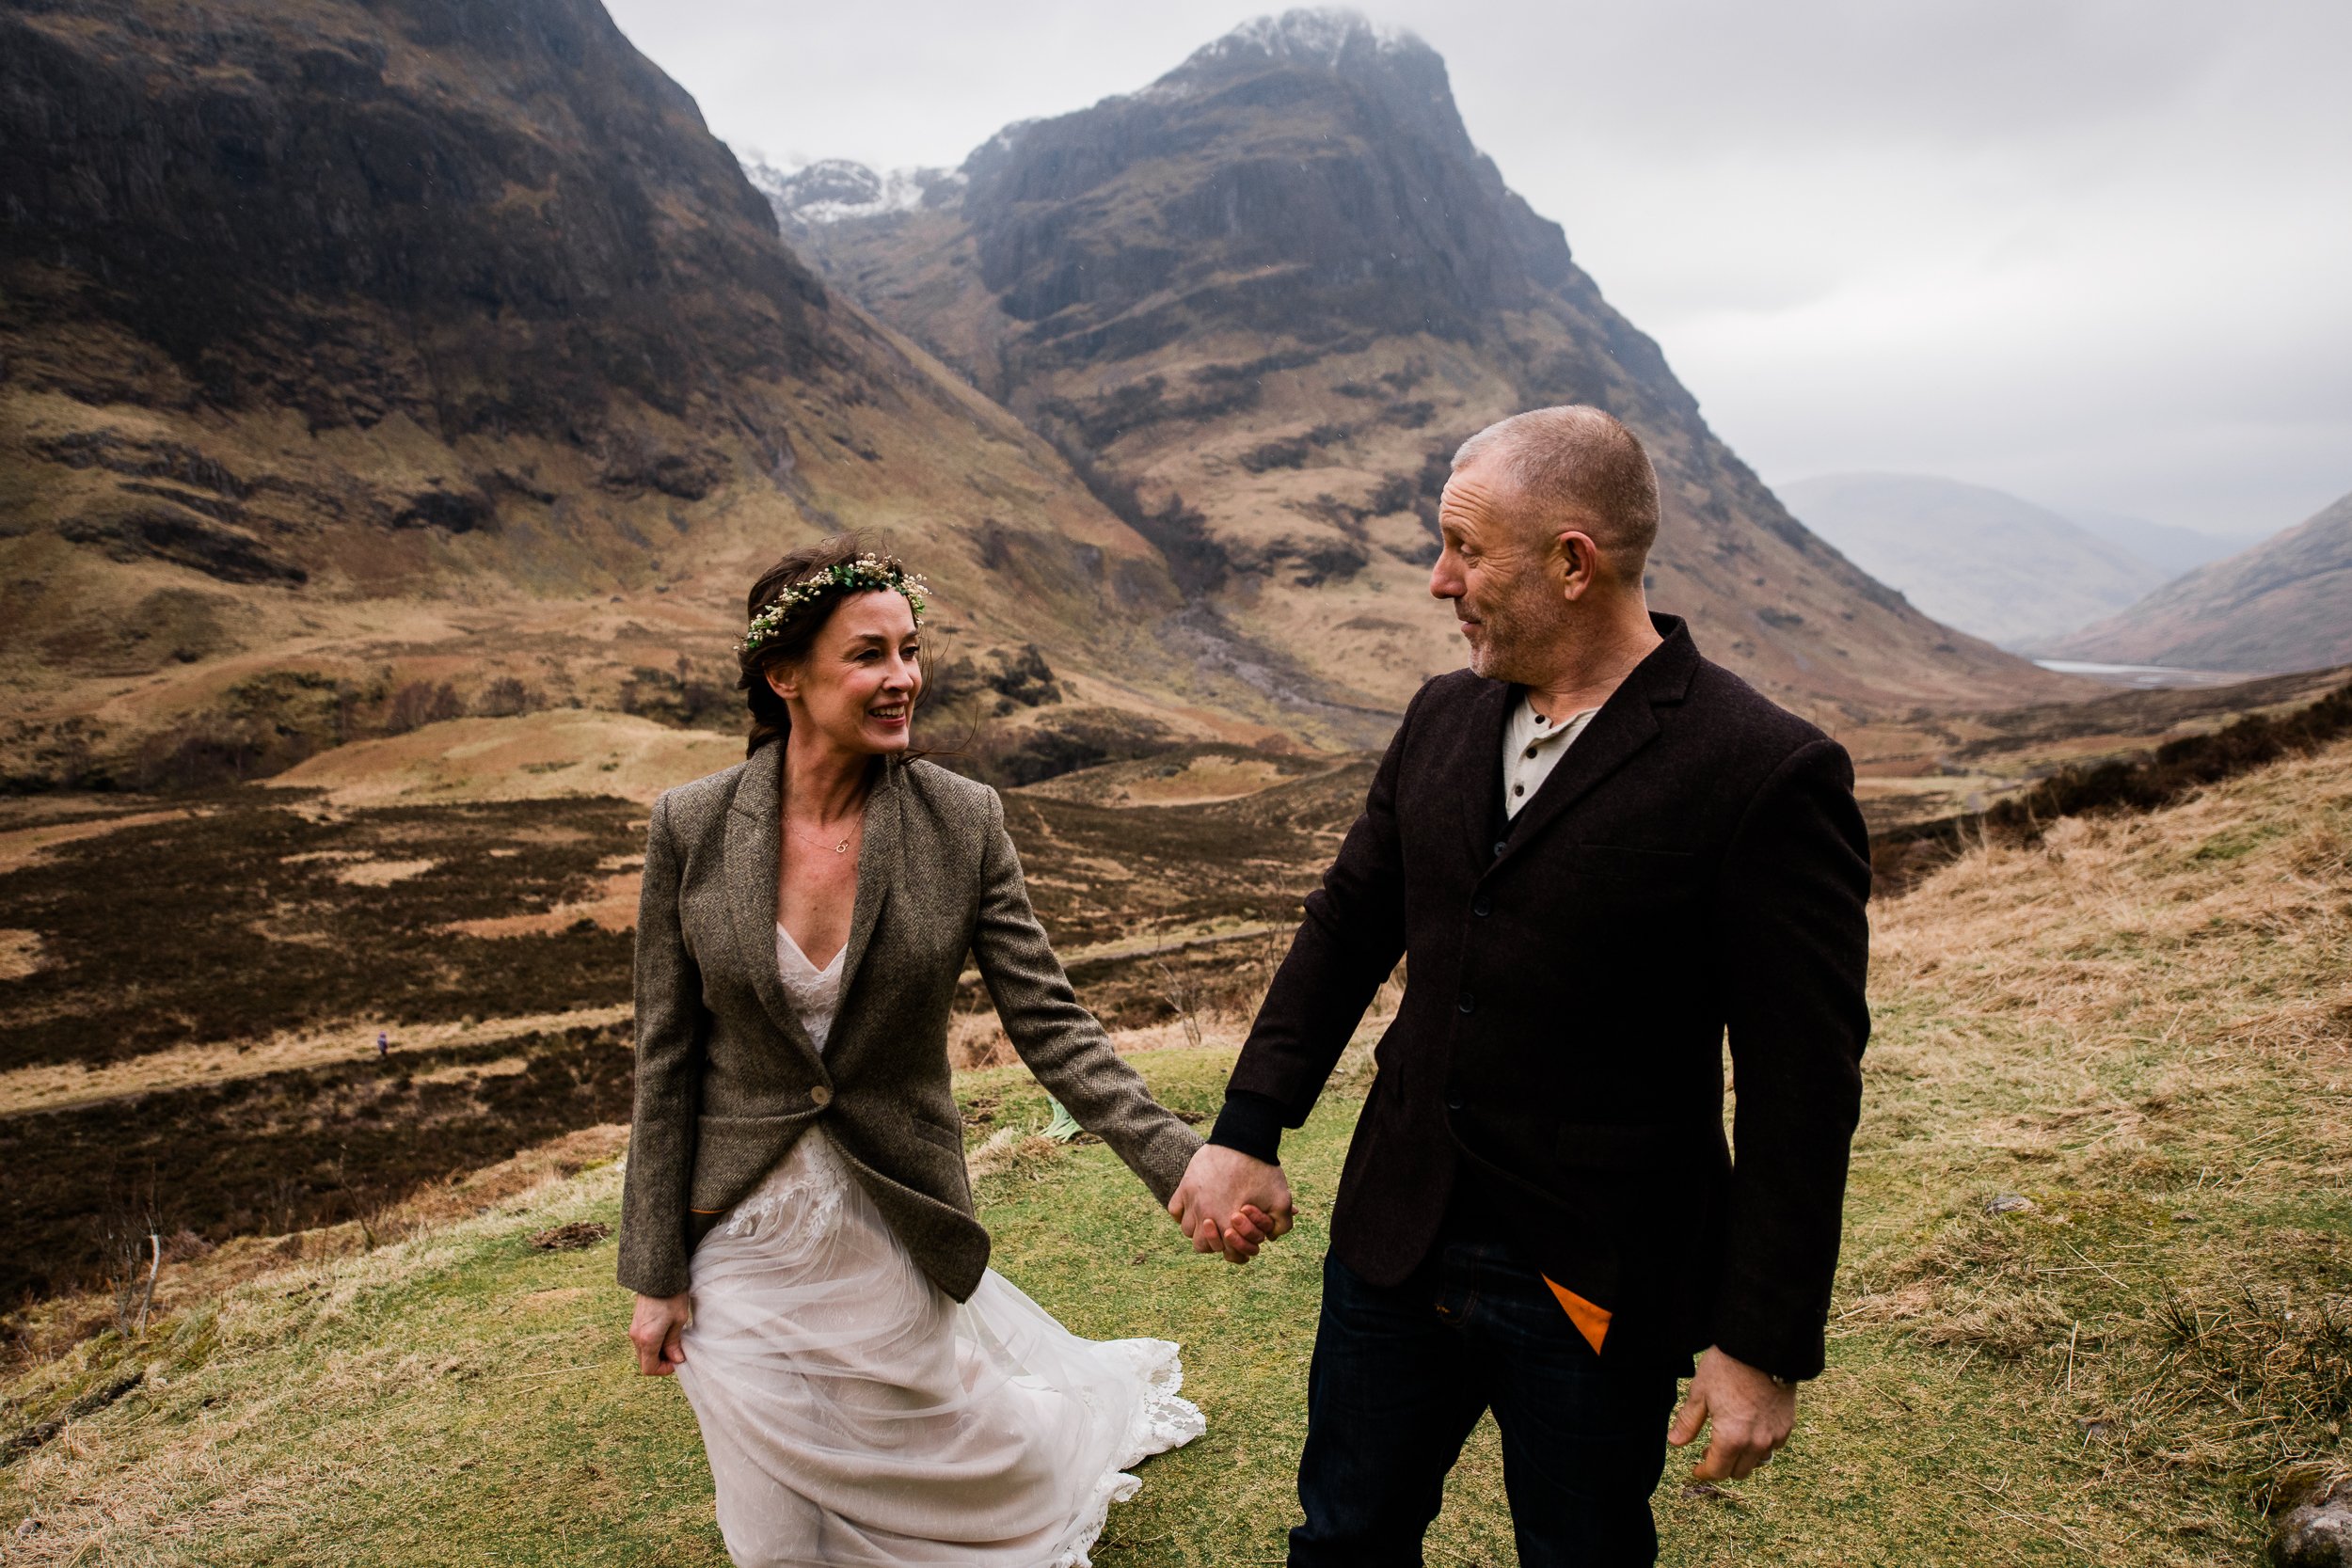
{"x":727,"y":1079}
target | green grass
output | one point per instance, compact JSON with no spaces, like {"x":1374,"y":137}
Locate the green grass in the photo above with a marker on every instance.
{"x":2153,"y":1049}
{"x":467,"y":1399}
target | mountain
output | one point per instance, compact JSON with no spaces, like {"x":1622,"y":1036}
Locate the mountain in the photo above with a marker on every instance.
{"x":2285,"y":604}
{"x":1982,"y":560}
{"x":2173,"y":549}
{"x":370,"y":362}
{"x":1258,"y":303}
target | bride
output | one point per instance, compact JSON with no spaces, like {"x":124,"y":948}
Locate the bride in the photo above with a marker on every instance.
{"x":797,"y":1221}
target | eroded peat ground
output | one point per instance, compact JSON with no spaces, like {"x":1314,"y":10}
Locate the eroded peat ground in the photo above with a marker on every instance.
{"x":158,"y":959}
{"x":189,"y":1017}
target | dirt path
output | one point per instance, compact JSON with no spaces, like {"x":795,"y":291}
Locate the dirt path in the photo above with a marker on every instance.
{"x":21,"y":847}
{"x":54,"y":1086}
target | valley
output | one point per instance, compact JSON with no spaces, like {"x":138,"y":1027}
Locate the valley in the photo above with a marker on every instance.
{"x":396,"y":399}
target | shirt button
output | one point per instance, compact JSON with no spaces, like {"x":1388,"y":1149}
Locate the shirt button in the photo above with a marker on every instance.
{"x":1519,"y":789}
{"x":820,"y":1097}
{"x":1531,"y":751}
{"x":1469,"y":1003}
{"x":1482,"y":905}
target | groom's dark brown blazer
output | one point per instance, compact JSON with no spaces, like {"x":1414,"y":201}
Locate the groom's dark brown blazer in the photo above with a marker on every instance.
{"x":1695,"y":864}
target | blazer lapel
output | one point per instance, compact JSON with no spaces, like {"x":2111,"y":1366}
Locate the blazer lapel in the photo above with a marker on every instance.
{"x":877,"y":869}
{"x":1481,"y":768}
{"x":1627,"y":722}
{"x":754,"y":845}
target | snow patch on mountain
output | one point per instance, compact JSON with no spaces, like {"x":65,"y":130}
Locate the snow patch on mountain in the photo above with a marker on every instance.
{"x":1315,"y":39}
{"x":828,"y":190}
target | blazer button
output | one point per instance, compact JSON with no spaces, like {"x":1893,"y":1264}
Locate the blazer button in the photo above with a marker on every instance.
{"x":820,"y":1097}
{"x":1453,"y":1102}
{"x":1499,"y":848}
{"x":1482,"y":905}
{"x":1469,"y":1003}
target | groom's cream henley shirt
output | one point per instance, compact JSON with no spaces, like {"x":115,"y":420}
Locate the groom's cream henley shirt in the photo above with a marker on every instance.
{"x":1532,"y":748}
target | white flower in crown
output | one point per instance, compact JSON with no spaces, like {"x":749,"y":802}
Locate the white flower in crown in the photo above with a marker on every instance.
{"x":866,"y":574}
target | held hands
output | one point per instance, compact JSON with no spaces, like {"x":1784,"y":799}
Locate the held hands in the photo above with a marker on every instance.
{"x":1230,"y":1203}
{"x":654,"y":1329}
{"x":1752,"y":1417}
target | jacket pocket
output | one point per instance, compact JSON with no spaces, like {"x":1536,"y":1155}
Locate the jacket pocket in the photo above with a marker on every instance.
{"x":949,"y":1137}
{"x":1628,"y":1147}
{"x":1621,"y":863}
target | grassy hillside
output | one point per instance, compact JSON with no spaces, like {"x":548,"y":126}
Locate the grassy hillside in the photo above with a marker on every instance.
{"x":2136,"y":1036}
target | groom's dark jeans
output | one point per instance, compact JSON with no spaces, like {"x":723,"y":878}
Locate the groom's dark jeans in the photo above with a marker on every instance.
{"x":1402,"y":1374}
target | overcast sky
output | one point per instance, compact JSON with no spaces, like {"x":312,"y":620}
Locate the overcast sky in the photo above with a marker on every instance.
{"x":2098,"y":252}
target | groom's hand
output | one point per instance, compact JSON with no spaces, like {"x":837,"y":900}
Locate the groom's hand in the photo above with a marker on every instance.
{"x":1230,"y":1203}
{"x":1751,"y":1414}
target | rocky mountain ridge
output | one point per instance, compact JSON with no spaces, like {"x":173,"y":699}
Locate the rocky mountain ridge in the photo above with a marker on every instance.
{"x":1259,"y":301}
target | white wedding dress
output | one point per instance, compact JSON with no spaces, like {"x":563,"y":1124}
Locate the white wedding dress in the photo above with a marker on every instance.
{"x":856,"y":1415}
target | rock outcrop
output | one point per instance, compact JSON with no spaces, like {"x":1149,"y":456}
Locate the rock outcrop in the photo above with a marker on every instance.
{"x":1258,"y":302}
{"x":374,"y":347}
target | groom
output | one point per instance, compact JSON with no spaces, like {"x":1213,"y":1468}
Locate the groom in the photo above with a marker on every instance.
{"x":1597,"y":853}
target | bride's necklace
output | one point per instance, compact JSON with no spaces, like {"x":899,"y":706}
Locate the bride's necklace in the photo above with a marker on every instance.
{"x":840,"y":848}
{"x":818,"y":841}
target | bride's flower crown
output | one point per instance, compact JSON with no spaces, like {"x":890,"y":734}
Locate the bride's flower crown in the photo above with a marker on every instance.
{"x":866,"y":574}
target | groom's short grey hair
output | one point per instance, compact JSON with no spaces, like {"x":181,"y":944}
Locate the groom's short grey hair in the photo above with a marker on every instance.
{"x":1575,"y":467}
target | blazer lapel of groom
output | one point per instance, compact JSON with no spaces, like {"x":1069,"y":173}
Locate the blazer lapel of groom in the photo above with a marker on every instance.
{"x":1477,"y":768}
{"x":1627,"y":722}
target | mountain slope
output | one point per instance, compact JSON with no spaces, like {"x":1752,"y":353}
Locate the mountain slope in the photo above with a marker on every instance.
{"x":2286,"y":604}
{"x":1978,"y":559}
{"x":370,"y":360}
{"x":2171,"y":548}
{"x":1258,"y":302}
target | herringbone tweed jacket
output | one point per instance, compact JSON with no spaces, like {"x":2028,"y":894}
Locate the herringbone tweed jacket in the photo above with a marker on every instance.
{"x":727,"y":1079}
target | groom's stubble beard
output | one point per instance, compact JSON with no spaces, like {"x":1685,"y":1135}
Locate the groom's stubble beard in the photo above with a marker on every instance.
{"x":1519,"y":631}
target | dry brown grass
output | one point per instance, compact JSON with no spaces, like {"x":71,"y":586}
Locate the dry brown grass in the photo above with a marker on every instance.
{"x":54,"y":1331}
{"x":21,"y":847}
{"x":2127,"y":968}
{"x":2144,"y":1025}
{"x":50,"y":1086}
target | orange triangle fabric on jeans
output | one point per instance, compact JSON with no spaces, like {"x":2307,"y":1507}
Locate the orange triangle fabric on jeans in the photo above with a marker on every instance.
{"x":1592,"y":1322}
